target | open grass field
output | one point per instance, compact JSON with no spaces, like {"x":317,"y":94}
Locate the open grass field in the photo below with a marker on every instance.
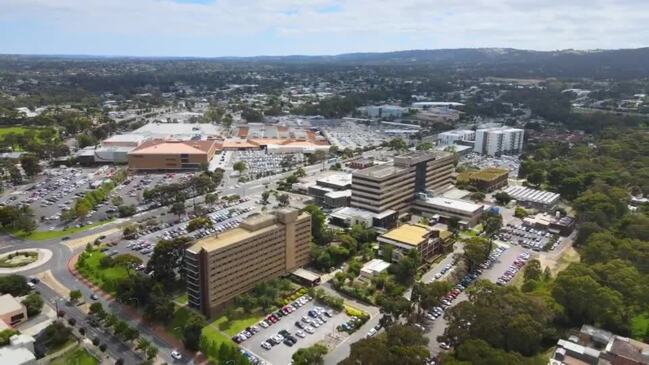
{"x":50,"y":235}
{"x":76,"y":356}
{"x":237,"y":323}
{"x":107,"y":278}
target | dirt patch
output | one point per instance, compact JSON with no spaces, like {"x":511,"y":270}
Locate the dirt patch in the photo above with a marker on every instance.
{"x":49,"y":279}
{"x":560,"y":261}
{"x":83,"y":241}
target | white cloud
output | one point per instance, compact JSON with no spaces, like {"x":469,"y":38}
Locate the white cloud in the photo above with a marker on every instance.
{"x":532,"y":24}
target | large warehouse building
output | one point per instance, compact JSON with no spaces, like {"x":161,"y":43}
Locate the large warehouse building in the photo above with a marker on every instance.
{"x":172,"y":155}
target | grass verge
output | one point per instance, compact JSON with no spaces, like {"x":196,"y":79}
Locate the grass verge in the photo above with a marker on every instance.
{"x":50,"y":235}
{"x":76,"y":356}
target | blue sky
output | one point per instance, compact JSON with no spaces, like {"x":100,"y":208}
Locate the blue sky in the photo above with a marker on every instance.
{"x":212,"y":28}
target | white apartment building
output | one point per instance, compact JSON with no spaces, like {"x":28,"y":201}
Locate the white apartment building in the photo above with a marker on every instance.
{"x":450,"y":137}
{"x":499,"y":141}
{"x":383,"y":111}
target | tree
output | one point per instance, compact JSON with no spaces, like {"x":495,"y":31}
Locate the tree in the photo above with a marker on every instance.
{"x":15,"y":285}
{"x":491,"y":222}
{"x":15,"y":175}
{"x":428,"y":295}
{"x":397,"y":144}
{"x":394,"y":306}
{"x":264,"y":197}
{"x":425,"y":146}
{"x":129,"y":231}
{"x":210,"y":199}
{"x":532,"y":270}
{"x":34,"y":304}
{"x":57,"y":334}
{"x":283,"y":200}
{"x":126,"y":210}
{"x":405,"y":269}
{"x":151,"y":352}
{"x":97,"y":309}
{"x":192,"y":332}
{"x":239,"y":166}
{"x":252,"y":115}
{"x":316,"y":157}
{"x":29,"y":163}
{"x":178,"y":208}
{"x":198,"y":223}
{"x":166,"y":260}
{"x":520,"y":213}
{"x":400,"y":345}
{"x":502,"y":198}
{"x":476,"y":251}
{"x":478,"y":196}
{"x":453,"y":224}
{"x":85,"y":140}
{"x":313,"y":355}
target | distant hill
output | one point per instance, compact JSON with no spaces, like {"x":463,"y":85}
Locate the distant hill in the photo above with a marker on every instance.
{"x":506,"y":62}
{"x":625,"y":63}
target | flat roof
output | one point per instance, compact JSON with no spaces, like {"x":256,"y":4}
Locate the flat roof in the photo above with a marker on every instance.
{"x":462,"y":205}
{"x":347,"y":212}
{"x":409,"y":234}
{"x":127,"y":137}
{"x":9,"y":304}
{"x":174,"y":147}
{"x":375,"y":265}
{"x":337,"y":179}
{"x":13,"y":355}
{"x":379,"y":171}
{"x":339,"y":194}
{"x":264,"y":223}
{"x":522,"y":193}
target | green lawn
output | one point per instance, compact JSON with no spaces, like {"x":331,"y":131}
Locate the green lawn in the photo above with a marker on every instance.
{"x":211,"y":341}
{"x":640,"y":326}
{"x":48,"y":235}
{"x":107,"y":278}
{"x":76,"y":356}
{"x":181,"y":316}
{"x":239,"y":322}
{"x":16,"y":130}
{"x":181,"y":299}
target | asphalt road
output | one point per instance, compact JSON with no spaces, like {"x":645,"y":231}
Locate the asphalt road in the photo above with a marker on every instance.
{"x":114,"y":347}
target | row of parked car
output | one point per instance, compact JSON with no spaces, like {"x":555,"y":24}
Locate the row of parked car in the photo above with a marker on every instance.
{"x":316,"y":317}
{"x":493,"y":256}
{"x":528,"y":237}
{"x":513,"y":269}
{"x":271,"y":319}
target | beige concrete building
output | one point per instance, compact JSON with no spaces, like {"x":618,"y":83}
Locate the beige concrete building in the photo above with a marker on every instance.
{"x":394,"y":185}
{"x":263,"y":247}
{"x":172,"y":154}
{"x":413,"y":237}
{"x":12,"y":312}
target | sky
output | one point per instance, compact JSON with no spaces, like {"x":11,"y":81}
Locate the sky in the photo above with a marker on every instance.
{"x":216,"y":28}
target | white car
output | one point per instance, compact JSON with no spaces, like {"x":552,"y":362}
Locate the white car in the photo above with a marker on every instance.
{"x":371,"y":332}
{"x":266,"y":345}
{"x":300,"y":334}
{"x":176,"y":355}
{"x":309,"y":329}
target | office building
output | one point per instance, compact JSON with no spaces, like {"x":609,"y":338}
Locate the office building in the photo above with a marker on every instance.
{"x":347,"y":217}
{"x":333,"y":191}
{"x":372,"y":268}
{"x":382,"y":111}
{"x":263,"y":247}
{"x":393,"y":185}
{"x":19,"y":351}
{"x":412,"y":237}
{"x":486,"y":180}
{"x":172,"y":155}
{"x":594,"y":346}
{"x":450,"y":137}
{"x":12,"y":312}
{"x":499,"y":141}
{"x":468,"y":213}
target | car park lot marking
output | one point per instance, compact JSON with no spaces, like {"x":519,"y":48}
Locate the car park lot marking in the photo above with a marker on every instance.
{"x":281,"y":353}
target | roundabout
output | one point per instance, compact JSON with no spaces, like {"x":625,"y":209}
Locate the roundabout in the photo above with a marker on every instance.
{"x":17,"y":261}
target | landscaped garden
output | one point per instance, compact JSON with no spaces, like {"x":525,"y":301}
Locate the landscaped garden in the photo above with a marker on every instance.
{"x":50,"y":235}
{"x":76,"y":356}
{"x":18,"y":259}
{"x":101,"y":270}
